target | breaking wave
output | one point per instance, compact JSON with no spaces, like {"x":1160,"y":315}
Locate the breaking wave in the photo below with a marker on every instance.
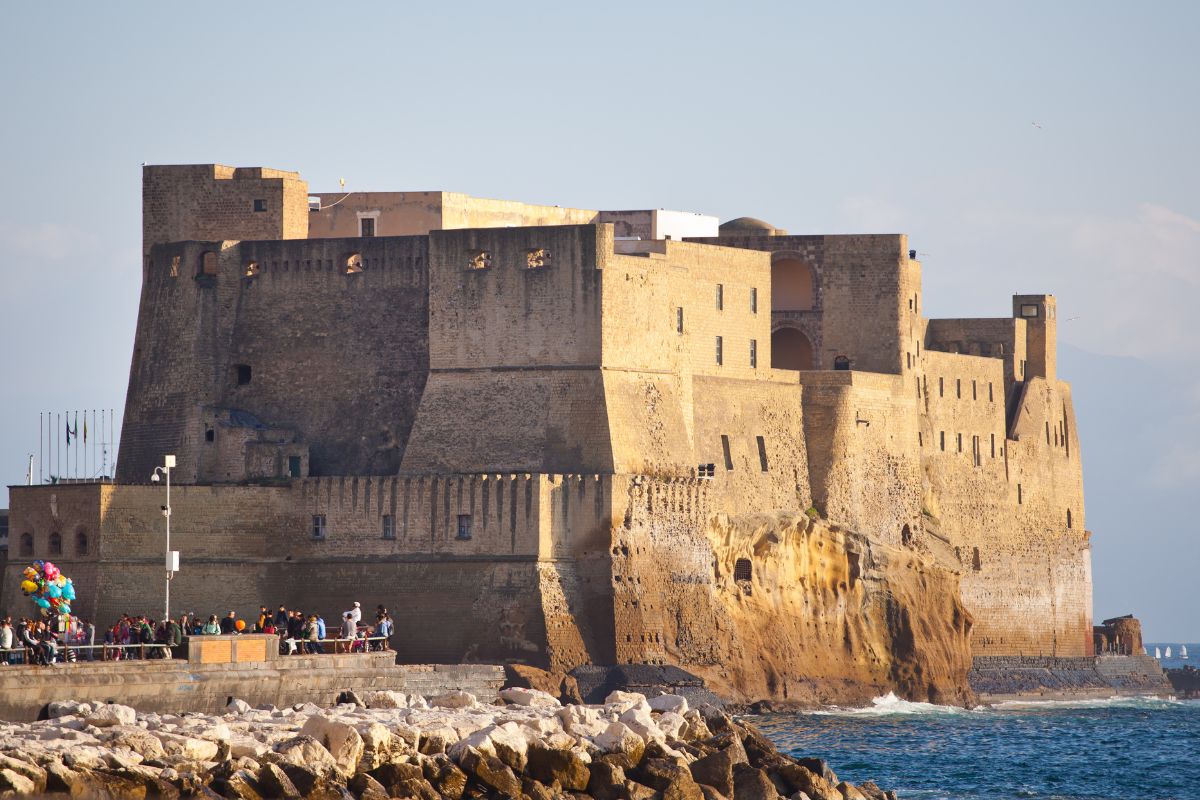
{"x":1149,"y":702}
{"x":890,"y":705}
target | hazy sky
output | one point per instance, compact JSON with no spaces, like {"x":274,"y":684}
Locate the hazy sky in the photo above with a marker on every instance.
{"x":912,"y":117}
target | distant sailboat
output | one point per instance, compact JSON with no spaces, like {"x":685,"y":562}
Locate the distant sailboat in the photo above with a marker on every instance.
{"x":1168,"y":651}
{"x":1143,"y":649}
{"x":1157,"y":653}
{"x":1183,"y":651}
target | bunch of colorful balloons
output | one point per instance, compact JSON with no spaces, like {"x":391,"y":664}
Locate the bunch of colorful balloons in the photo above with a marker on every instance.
{"x":50,"y":590}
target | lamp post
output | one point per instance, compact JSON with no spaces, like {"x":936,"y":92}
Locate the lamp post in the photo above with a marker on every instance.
{"x":172,"y":558}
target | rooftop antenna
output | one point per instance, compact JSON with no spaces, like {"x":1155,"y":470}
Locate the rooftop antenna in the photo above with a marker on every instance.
{"x":29,"y":472}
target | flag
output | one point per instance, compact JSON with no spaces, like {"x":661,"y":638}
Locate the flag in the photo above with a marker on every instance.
{"x":85,"y":427}
{"x":68,"y":432}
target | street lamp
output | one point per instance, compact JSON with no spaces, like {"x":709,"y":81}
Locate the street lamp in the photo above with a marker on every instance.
{"x":172,"y":560}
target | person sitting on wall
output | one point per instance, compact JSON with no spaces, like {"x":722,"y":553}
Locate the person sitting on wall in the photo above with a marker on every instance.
{"x":281,"y":617}
{"x":212,"y":627}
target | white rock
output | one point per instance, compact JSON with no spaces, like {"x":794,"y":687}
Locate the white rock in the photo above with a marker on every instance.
{"x":341,"y":740}
{"x":105,"y":716}
{"x":583,"y":720}
{"x":188,"y":747}
{"x":671,"y":724}
{"x":385,"y":699}
{"x":618,"y":738}
{"x":669,"y":702}
{"x":639,"y":720}
{"x":306,"y":751}
{"x":529,"y":697}
{"x":455,"y":699}
{"x":625,"y":700}
{"x":236,"y":706}
{"x":64,"y":708}
{"x":17,"y":783}
{"x":416,"y":701}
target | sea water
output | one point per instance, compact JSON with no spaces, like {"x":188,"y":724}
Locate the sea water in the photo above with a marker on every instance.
{"x":1174,"y":662}
{"x":1115,"y":749}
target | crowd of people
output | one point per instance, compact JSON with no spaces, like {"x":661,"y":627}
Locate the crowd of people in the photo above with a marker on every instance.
{"x":61,"y":638}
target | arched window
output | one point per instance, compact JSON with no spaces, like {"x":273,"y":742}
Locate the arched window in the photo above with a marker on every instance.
{"x":26,"y":544}
{"x":55,"y":544}
{"x":81,"y":542}
{"x":791,"y":349}
{"x":792,"y":285}
{"x":354,"y":263}
{"x":742,"y":570}
{"x":208,"y":263}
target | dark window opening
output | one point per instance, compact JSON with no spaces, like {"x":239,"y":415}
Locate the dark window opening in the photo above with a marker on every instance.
{"x":743,"y":574}
{"x":753,"y":301}
{"x":942,"y":440}
{"x":1068,"y":518}
{"x":208,"y":263}
{"x":720,"y":351}
{"x":319,"y":528}
{"x":293,"y":466}
{"x":210,"y":435}
{"x":990,"y":397}
{"x":720,"y":297}
{"x":26,"y":548}
{"x":366,"y":226}
{"x":679,"y":320}
{"x":464,"y":527}
{"x":242,"y":374}
{"x":754,"y":353}
{"x":974,"y":391}
{"x":993,"y":445}
{"x":762,"y":453}
{"x":841,"y":362}
{"x":1029,"y":310}
{"x":1020,"y":497}
{"x":958,"y":388}
{"x":389,"y":526}
{"x":906,"y":537}
{"x":976,"y":563}
{"x":960,"y":442}
{"x":81,"y":543}
{"x":55,"y":545}
{"x":260,"y":205}
{"x":726,"y":453}
{"x":941,"y":387}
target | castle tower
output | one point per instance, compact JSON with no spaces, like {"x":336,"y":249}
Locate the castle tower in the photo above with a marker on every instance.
{"x":1038,"y":311}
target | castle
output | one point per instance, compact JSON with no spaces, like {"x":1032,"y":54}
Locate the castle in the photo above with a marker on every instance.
{"x":569,"y":436}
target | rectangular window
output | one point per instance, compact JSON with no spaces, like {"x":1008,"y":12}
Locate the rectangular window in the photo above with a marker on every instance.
{"x":991,"y":399}
{"x":720,"y":351}
{"x":975,"y":451}
{"x":366,"y":226}
{"x":960,"y":442}
{"x":260,"y":205}
{"x":1047,"y":432}
{"x":720,"y":297}
{"x":908,"y":358}
{"x":942,"y":440}
{"x":464,"y":527}
{"x":974,"y":391}
{"x":958,"y":388}
{"x":679,"y":320}
{"x":389,"y":526}
{"x":941,"y":387}
{"x":762,"y":453}
{"x":753,"y":300}
{"x":725,"y":452}
{"x":754,"y":352}
{"x":1029,"y":310}
{"x":920,"y":439}
{"x":293,"y":466}
{"x":993,"y":445}
{"x":318,"y":526}
{"x":1019,"y":497}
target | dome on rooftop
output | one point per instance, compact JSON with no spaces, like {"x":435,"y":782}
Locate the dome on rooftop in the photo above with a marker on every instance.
{"x":750,"y":226}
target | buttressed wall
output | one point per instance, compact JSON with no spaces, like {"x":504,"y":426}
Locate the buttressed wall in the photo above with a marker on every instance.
{"x":750,"y":455}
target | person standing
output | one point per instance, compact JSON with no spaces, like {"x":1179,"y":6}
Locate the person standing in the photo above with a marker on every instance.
{"x":312,"y":644}
{"x":383,"y":630}
{"x":349,"y":629}
{"x":89,"y":638}
{"x":356,"y":612}
{"x":229,"y":624}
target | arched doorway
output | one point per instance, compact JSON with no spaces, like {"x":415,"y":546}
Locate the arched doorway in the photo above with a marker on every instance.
{"x":791,"y":349}
{"x":792,"y":285}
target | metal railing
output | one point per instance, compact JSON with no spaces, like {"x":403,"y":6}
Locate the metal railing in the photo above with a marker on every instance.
{"x":83,"y":653}
{"x":360,"y":644}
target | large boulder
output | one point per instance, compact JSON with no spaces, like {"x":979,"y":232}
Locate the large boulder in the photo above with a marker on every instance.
{"x":619,"y":740}
{"x":582,"y":721}
{"x":367,"y":788}
{"x":751,"y":783}
{"x":385,"y":698}
{"x":454,"y":699}
{"x":491,"y":772}
{"x":669,"y":702}
{"x":448,"y":779}
{"x":551,"y":766}
{"x":31,"y":771}
{"x":716,"y":770}
{"x":188,"y":747}
{"x":275,"y":783}
{"x":139,"y":740}
{"x":674,"y":781}
{"x":305,"y":751}
{"x":341,"y":740}
{"x":109,"y":714}
{"x":521,"y":696}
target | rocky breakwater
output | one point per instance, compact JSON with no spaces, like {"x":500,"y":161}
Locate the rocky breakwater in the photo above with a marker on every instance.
{"x":389,"y":745}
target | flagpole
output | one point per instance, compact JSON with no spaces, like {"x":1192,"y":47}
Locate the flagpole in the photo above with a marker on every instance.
{"x":41,"y":430}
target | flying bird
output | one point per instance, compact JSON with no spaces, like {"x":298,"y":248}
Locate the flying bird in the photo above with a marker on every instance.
{"x":1037,"y":125}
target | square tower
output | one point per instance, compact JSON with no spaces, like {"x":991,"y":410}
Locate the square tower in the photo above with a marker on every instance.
{"x":1038,"y":311}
